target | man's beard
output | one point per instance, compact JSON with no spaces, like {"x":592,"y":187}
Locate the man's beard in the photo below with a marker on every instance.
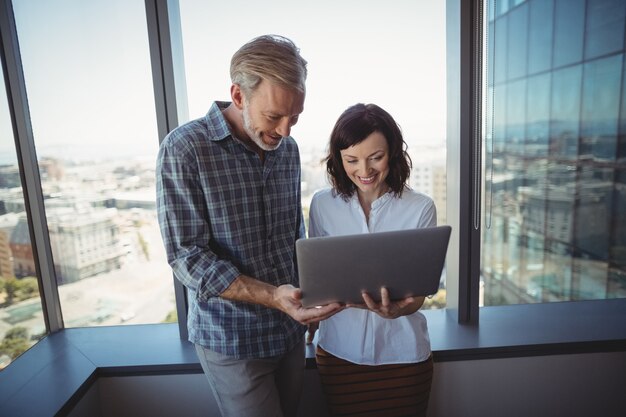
{"x":257,"y":138}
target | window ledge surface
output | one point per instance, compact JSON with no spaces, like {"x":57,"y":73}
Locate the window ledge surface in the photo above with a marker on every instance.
{"x":49,"y":378}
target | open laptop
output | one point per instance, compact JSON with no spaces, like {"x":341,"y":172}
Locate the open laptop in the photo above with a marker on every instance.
{"x":340,"y":268}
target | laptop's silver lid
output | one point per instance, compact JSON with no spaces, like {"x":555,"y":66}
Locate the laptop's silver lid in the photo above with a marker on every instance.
{"x":340,"y":268}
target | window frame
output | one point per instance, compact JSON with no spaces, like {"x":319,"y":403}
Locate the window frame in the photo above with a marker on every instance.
{"x":463,"y":43}
{"x":170,"y":95}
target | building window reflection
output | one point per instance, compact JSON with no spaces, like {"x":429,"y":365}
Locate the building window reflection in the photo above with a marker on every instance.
{"x":556,"y":161}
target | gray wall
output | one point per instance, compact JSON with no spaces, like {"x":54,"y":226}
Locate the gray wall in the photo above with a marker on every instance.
{"x":565,"y":385}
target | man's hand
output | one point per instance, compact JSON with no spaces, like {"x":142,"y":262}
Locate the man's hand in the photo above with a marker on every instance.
{"x":391,"y":309}
{"x":287,"y":299}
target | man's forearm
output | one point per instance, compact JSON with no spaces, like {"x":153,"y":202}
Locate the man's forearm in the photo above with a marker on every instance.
{"x":250,"y":290}
{"x":285,"y":298}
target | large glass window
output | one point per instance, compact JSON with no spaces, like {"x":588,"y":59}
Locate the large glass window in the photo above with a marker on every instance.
{"x":605,"y":27}
{"x":21,"y":314}
{"x":87,"y":72}
{"x":391,"y":54}
{"x":555,"y":156}
{"x":569,"y":31}
{"x":516,"y":46}
{"x":540,"y":36}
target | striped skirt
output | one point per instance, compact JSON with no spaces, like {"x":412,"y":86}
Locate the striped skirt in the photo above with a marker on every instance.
{"x":368,"y":391}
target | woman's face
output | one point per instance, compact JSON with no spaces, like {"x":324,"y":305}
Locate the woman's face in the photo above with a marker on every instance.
{"x":367,"y":165}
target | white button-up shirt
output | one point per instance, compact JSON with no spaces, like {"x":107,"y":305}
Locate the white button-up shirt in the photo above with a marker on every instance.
{"x":357,"y":335}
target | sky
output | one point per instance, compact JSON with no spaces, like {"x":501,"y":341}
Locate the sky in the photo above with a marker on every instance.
{"x":389,"y":53}
{"x":87,"y":66}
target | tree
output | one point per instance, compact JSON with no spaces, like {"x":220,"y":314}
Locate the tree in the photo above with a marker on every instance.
{"x":11,"y":287}
{"x":17,"y":332}
{"x":15,"y":342}
{"x":28,"y":288}
{"x":19,"y":289}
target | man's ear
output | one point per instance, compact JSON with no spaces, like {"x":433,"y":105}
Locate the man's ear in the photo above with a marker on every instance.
{"x":237,"y":96}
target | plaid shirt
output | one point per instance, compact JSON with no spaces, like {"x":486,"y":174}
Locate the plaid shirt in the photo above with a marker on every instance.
{"x":223,"y":213}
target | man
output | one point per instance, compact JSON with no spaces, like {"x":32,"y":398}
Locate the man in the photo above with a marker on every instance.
{"x":228,"y":198}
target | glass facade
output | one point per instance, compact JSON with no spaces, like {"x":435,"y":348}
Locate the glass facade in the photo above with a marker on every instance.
{"x":348,"y":63}
{"x":21,"y":314}
{"x":555,"y":227}
{"x":88,"y":78}
{"x":555,"y":152}
{"x":87,"y":74}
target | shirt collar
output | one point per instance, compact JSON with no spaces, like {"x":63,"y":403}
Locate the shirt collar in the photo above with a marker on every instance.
{"x":216,"y":123}
{"x":376,"y":204}
{"x":382,"y":200}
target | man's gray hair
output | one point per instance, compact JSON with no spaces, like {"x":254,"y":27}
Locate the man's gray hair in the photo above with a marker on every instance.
{"x":269,"y":57}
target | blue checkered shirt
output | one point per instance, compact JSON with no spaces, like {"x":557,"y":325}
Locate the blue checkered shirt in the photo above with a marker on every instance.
{"x":224,"y":213}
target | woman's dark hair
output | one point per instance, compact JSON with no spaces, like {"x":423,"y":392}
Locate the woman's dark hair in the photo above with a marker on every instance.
{"x":353,"y":126}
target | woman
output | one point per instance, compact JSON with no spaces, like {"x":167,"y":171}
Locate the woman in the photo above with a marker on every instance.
{"x":373,"y":358}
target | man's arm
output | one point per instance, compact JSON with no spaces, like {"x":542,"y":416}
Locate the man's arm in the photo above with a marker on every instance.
{"x":185,"y":230}
{"x":186,"y":233}
{"x":285,"y":298}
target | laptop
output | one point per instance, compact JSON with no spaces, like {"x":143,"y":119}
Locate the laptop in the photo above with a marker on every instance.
{"x":339,"y":268}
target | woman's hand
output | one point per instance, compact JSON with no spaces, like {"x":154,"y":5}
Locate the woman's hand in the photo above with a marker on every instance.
{"x":392,"y":309}
{"x":310,"y":334}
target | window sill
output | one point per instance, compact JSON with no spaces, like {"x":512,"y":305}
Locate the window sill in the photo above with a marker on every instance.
{"x":53,"y":375}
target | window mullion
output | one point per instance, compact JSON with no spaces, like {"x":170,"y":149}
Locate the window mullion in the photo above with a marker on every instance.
{"x":29,"y":168}
{"x":463,"y":266}
{"x":170,"y":93}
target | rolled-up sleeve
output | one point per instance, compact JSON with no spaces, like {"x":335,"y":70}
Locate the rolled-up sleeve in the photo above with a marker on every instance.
{"x":185,"y":228}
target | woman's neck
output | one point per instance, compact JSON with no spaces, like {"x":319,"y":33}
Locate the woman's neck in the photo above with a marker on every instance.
{"x":367,"y":199}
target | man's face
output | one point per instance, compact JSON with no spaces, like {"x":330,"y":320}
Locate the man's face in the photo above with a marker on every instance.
{"x":269,"y":113}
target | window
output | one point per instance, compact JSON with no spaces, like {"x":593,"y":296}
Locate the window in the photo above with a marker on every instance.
{"x":87,"y":72}
{"x":21,"y":315}
{"x":535,"y":164}
{"x":554,"y":153}
{"x":400,"y":68}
